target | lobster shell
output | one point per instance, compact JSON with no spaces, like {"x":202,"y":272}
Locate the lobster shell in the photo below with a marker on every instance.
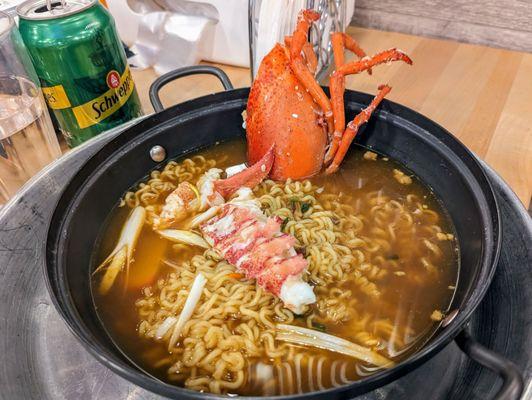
{"x":282,"y":113}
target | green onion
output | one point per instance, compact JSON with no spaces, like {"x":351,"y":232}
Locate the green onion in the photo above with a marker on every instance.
{"x":122,"y":255}
{"x":178,"y":236}
{"x":313,"y":338}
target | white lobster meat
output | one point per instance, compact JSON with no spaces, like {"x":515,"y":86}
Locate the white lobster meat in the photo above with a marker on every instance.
{"x":241,"y":232}
{"x":254,"y":243}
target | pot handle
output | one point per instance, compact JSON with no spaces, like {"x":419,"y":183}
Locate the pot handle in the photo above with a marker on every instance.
{"x":157,"y":85}
{"x":512,"y":386}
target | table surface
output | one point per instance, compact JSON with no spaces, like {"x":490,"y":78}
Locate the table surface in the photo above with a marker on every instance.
{"x":482,"y":95}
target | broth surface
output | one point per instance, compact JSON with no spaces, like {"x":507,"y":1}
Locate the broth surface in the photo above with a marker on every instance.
{"x":395,"y":283}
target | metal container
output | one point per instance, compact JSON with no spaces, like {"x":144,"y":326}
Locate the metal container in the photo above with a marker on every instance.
{"x":81,"y":64}
{"x":271,"y":21}
{"x":432,"y":153}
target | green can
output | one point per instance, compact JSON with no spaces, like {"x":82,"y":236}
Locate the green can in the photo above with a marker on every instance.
{"x":81,"y":64}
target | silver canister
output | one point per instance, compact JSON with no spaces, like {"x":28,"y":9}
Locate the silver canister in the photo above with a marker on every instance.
{"x":270,"y":21}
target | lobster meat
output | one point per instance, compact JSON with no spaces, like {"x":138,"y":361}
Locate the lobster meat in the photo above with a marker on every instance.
{"x":255,"y":245}
{"x":211,"y":191}
{"x":241,"y":232}
{"x":289,"y":109}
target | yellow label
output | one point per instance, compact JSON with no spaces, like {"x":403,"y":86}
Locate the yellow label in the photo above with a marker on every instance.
{"x":56,"y":97}
{"x":96,"y":110}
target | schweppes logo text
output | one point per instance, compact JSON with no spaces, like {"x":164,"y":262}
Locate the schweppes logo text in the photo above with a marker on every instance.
{"x":98,"y":109}
{"x":56,"y":97}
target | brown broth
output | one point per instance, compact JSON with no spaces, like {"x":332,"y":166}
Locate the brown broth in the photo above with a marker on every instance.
{"x":408,"y":299}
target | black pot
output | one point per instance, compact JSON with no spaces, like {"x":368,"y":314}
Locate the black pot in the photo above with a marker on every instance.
{"x":424,"y":147}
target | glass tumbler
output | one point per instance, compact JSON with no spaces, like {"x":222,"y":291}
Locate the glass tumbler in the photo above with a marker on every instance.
{"x":27,"y":138}
{"x":271,"y":20}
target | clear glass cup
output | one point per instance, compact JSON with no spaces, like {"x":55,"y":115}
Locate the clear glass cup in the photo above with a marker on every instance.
{"x":27,"y":138}
{"x":271,"y":20}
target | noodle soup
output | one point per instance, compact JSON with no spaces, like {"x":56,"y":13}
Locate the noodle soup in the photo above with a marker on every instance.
{"x":382,"y":262}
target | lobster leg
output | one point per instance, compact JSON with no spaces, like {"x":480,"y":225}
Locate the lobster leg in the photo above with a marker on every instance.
{"x":337,"y":87}
{"x":353,"y":126}
{"x":299,"y":38}
{"x":340,"y":41}
{"x":386,"y":56}
{"x":308,"y":52}
{"x":250,"y":177}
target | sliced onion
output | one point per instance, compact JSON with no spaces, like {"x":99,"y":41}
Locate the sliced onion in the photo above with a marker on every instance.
{"x":289,"y":377}
{"x":188,"y":309}
{"x":309,"y":337}
{"x":310,"y":373}
{"x":165,"y":327}
{"x":333,"y":374}
{"x":343,"y":373}
{"x":204,"y":216}
{"x":175,"y":235}
{"x":319,"y":373}
{"x":263,"y":376}
{"x":297,"y":367}
{"x":235,"y":169}
{"x":122,"y":255}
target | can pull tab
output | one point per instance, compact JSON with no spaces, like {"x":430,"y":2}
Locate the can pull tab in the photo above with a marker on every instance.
{"x":49,"y":4}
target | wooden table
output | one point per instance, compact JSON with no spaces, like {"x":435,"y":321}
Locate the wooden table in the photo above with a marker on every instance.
{"x":480,"y":94}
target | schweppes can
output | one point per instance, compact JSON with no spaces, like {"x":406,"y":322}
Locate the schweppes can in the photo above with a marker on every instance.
{"x":81,"y":64}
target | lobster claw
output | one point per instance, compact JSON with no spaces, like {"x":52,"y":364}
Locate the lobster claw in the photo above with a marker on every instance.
{"x":250,"y":177}
{"x":287,"y":106}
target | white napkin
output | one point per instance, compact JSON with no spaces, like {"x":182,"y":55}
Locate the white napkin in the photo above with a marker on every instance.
{"x":164,"y":34}
{"x":168,"y":40}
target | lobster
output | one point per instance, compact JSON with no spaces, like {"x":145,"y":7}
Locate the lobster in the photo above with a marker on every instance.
{"x":288,"y":109}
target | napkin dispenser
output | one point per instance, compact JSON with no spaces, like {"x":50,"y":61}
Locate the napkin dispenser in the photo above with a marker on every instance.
{"x":175,"y":33}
